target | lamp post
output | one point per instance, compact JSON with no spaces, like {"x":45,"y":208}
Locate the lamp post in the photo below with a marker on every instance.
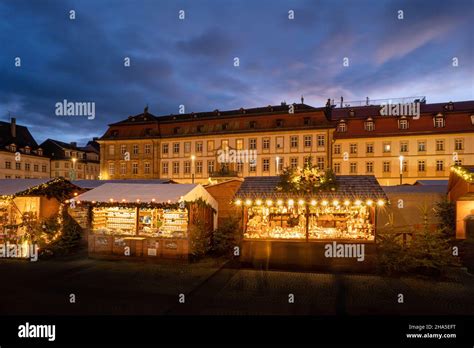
{"x":193,"y":158}
{"x":74,"y":159}
{"x":401,"y":168}
{"x":277,"y":165}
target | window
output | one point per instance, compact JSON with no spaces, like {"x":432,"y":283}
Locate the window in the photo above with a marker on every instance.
{"x":387,"y":147}
{"x":439,"y":122}
{"x":240,"y":167}
{"x":176,"y":130}
{"x":36,"y":168}
{"x":164,"y":168}
{"x":421,"y":166}
{"x":307,"y":140}
{"x":266,"y":165}
{"x":307,"y":121}
{"x":321,"y":140}
{"x":225,"y":126}
{"x":187,"y":147}
{"x":369,"y":167}
{"x":353,"y":148}
{"x":369,"y":126}
{"x":176,"y":148}
{"x":294,"y":162}
{"x":342,"y":127}
{"x":111,"y":169}
{"x":279,"y":142}
{"x":27,"y":149}
{"x":135,"y":149}
{"x":252,"y":167}
{"x":123,"y":149}
{"x":252,"y":124}
{"x":200,"y":128}
{"x":187,"y":167}
{"x":239,"y":144}
{"x":123,"y":168}
{"x":18,"y":165}
{"x":210,"y":145}
{"x":40,"y":152}
{"x":147,"y":167}
{"x":337,"y":168}
{"x":176,"y":168}
{"x":279,"y":123}
{"x":199,"y":167}
{"x":386,"y":167}
{"x":147,"y":149}
{"x":199,"y":147}
{"x":458,"y":144}
{"x":43,"y":168}
{"x":403,"y":146}
{"x":439,"y":145}
{"x":320,"y":163}
{"x":353,"y":168}
{"x":439,"y":166}
{"x":225,"y":144}
{"x":253,"y":144}
{"x":134,"y":168}
{"x":421,"y":146}
{"x":8,"y":165}
{"x":294,"y":141}
{"x":111,"y":150}
{"x":165,"y":149}
{"x":27,"y":167}
{"x":402,"y":123}
{"x":458,"y":163}
{"x":337,"y":149}
{"x":7,"y":176}
{"x":210,"y":167}
{"x":266,"y":143}
{"x":306,"y":160}
{"x":66,"y":165}
{"x":369,"y":148}
{"x":280,"y":164}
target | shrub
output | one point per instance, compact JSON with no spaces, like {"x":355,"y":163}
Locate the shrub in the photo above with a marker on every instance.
{"x":445,"y":211}
{"x":226,"y":237}
{"x":200,"y":240}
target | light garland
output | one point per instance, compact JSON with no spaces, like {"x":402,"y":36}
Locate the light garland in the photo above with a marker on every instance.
{"x":301,"y":202}
{"x":463,"y":173}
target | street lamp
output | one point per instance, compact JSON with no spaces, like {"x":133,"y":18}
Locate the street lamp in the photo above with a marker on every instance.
{"x":74,"y":159}
{"x":401,"y":168}
{"x":193,"y":158}
{"x":278,"y":165}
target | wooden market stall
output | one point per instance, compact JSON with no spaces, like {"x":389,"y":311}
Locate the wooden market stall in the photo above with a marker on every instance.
{"x":293,"y":227}
{"x":23,"y":201}
{"x":156,"y":220}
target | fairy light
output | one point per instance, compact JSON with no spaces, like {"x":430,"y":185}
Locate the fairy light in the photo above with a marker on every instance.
{"x":347,"y":202}
{"x":238,"y":202}
{"x":313,"y":202}
{"x":123,"y":200}
{"x":138,"y":200}
{"x":335,"y":203}
{"x":369,"y":202}
{"x":301,"y":202}
{"x":358,"y":202}
{"x":258,"y":202}
{"x":248,"y":202}
{"x":380,"y":203}
{"x":269,"y":203}
{"x":153,"y":200}
{"x":279,"y":202}
{"x":291,"y":202}
{"x":111,"y":200}
{"x":324,"y":203}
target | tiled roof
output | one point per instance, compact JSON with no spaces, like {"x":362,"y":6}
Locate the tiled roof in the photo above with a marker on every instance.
{"x":441,"y":189}
{"x":23,"y":136}
{"x":348,"y":187}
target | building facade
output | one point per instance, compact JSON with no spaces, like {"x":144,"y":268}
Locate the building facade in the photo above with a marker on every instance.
{"x":72,"y":162}
{"x":213,"y":146}
{"x":20,"y":155}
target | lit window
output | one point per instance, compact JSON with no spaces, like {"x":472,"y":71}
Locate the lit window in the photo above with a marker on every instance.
{"x":439,"y":122}
{"x":403,"y":147}
{"x":321,"y":140}
{"x":342,"y":127}
{"x":353,"y":148}
{"x":369,"y":167}
{"x":294,"y":141}
{"x":337,"y":149}
{"x":421,"y":146}
{"x":387,"y":147}
{"x":308,"y":140}
{"x":369,"y":126}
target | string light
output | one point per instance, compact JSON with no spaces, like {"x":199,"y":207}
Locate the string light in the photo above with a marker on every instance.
{"x":369,"y":202}
{"x":324,"y":203}
{"x":248,"y":202}
{"x":358,"y":202}
{"x":269,"y":203}
{"x":301,"y":202}
{"x":380,"y":203}
{"x":238,"y":202}
{"x":279,"y":202}
{"x":291,"y":202}
{"x":346,"y":202}
{"x":111,"y":200}
{"x":335,"y":203}
{"x":313,"y":202}
{"x":258,"y":202}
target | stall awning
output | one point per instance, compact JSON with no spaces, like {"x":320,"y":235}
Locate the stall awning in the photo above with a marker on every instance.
{"x":353,"y":187}
{"x":147,"y":193}
{"x":9,"y":187}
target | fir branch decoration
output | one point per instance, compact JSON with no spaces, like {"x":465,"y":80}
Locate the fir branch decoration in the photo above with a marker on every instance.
{"x":307,"y":180}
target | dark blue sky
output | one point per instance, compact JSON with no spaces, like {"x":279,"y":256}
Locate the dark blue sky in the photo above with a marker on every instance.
{"x":190,"y":61}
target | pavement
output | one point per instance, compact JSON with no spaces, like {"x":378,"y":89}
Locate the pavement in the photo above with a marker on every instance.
{"x":218,"y":287}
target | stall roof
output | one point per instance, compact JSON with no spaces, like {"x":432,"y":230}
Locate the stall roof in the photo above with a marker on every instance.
{"x":416,"y":189}
{"x":431,"y":183}
{"x":349,"y":187}
{"x":90,"y":184}
{"x":146,"y":193}
{"x":10,"y":187}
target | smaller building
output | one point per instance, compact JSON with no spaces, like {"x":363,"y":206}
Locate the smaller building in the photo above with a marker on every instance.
{"x":461,"y":192}
{"x":71,"y":161}
{"x":20,"y":155}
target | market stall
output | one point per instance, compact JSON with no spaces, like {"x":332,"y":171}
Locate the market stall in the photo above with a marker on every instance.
{"x":145,"y":219}
{"x":307,"y":207}
{"x":26,"y":201}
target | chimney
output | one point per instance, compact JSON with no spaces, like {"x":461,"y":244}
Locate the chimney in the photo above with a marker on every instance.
{"x":73,"y":144}
{"x":95,"y":138}
{"x":13,"y":127}
{"x":328,"y":110}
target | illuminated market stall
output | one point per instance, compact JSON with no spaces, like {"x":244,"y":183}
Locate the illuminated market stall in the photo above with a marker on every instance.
{"x":306,"y":206}
{"x":145,"y":219}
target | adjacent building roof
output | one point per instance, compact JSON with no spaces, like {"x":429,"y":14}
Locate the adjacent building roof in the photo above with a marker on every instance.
{"x":10,"y":187}
{"x":350,"y":187}
{"x":22,"y":136}
{"x":90,"y":184}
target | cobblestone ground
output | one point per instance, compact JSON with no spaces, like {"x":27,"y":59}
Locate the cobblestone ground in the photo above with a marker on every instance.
{"x":121,"y":287}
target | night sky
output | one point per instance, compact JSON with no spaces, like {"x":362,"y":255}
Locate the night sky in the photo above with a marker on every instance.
{"x":191,"y":61}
